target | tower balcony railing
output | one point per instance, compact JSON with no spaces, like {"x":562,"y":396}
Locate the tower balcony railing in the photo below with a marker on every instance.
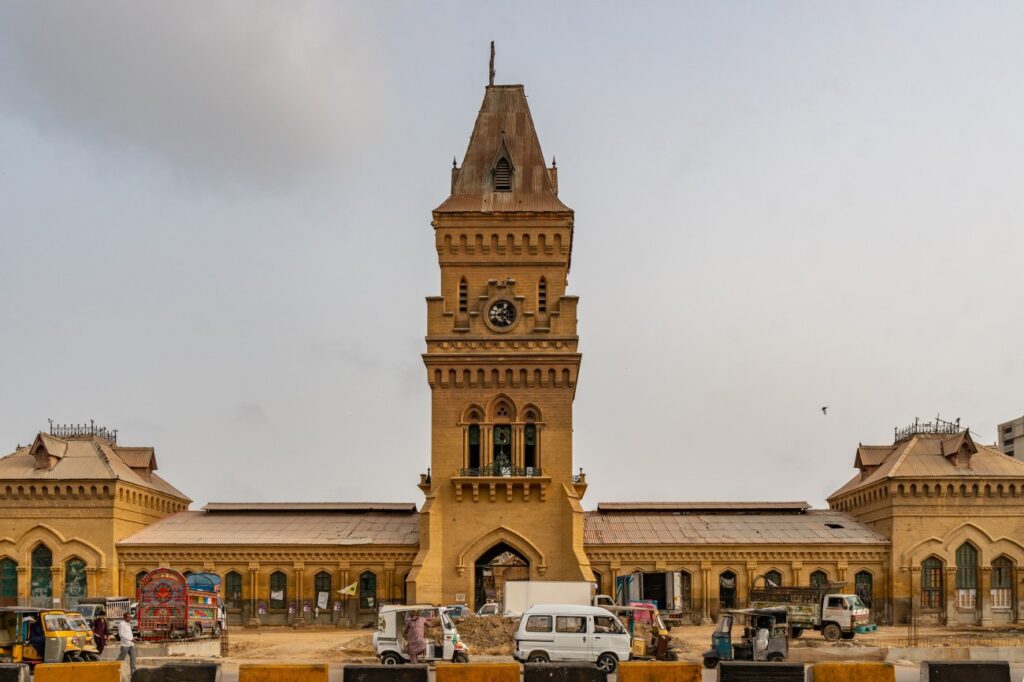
{"x":501,"y":470}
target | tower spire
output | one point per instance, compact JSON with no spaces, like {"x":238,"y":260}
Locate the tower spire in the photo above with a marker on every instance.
{"x":490,"y":71}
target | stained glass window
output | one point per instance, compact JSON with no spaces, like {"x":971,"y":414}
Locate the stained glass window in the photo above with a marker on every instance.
{"x":74,"y":581}
{"x":42,"y":578}
{"x":931,"y":583}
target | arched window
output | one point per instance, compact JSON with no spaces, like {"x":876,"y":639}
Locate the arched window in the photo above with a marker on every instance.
{"x":530,"y":446}
{"x":503,"y":175}
{"x":542,"y":295}
{"x":322,"y":586}
{"x":773,"y":578}
{"x":473,"y":460}
{"x":138,"y":580}
{"x":463,"y":295}
{"x":233,"y":589}
{"x":278,"y":590}
{"x":1002,"y":583}
{"x":502,"y":449}
{"x":8,"y":582}
{"x":367,"y":590}
{"x":42,"y":580}
{"x":74,"y":581}
{"x":819,"y":578}
{"x":685,"y":591}
{"x":931,"y":583}
{"x":966,"y":576}
{"x":864,"y":585}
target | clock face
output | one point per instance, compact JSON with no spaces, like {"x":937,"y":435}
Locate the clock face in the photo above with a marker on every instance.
{"x":502,"y":313}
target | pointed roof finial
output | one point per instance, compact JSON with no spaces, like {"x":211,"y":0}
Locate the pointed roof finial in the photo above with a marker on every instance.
{"x":454,"y":163}
{"x":554,"y":162}
{"x":491,"y":68}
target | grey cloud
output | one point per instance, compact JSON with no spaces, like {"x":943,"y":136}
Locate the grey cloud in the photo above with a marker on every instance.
{"x":240,"y":91}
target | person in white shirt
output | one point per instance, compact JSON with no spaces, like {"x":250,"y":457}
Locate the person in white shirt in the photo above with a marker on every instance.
{"x":124,"y":633}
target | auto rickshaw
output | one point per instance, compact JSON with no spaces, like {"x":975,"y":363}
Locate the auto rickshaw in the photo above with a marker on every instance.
{"x":657,"y":644}
{"x":62,"y":640}
{"x":392,"y":648}
{"x":765,"y":636}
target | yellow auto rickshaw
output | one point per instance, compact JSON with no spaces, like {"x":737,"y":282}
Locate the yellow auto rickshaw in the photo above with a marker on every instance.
{"x":33,"y":635}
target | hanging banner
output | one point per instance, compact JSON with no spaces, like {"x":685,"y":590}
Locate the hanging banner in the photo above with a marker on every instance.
{"x":321,"y":600}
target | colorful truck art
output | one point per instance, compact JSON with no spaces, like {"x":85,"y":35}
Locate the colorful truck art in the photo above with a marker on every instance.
{"x":173,"y":606}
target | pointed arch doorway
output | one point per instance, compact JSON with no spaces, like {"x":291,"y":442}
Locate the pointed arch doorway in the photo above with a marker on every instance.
{"x":500,"y":564}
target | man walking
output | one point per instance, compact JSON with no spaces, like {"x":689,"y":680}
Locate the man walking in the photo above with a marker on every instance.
{"x":124,"y":633}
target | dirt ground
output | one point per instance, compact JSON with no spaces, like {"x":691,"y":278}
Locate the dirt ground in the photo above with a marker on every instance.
{"x":492,"y":636}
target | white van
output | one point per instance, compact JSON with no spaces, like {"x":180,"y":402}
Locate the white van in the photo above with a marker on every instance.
{"x":567,"y":632}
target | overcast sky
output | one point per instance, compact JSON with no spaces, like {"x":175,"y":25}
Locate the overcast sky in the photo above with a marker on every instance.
{"x":215,"y":231}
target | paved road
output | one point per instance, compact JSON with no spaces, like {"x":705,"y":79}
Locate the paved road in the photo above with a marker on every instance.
{"x":903,"y":674}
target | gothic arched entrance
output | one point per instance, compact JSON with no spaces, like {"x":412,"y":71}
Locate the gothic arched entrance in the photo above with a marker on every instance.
{"x":498,"y":565}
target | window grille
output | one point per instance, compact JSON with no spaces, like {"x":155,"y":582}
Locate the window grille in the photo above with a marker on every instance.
{"x":864,"y":586}
{"x":966,"y":576}
{"x":931,"y":583}
{"x":233,"y":589}
{"x":8,"y":582}
{"x":278,"y":590}
{"x":819,"y":578}
{"x":322,"y":583}
{"x":503,"y":175}
{"x":368,"y":591}
{"x":42,"y":576}
{"x":1002,"y":583}
{"x":685,"y":591}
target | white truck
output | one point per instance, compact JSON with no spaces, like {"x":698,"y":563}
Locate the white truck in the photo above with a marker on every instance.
{"x":520,"y":595}
{"x":820,"y":607}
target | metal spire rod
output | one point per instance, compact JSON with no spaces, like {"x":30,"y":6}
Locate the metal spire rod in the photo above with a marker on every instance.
{"x":491,"y":68}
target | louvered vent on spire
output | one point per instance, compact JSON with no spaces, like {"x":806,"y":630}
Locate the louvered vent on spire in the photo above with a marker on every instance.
{"x":503,"y":176}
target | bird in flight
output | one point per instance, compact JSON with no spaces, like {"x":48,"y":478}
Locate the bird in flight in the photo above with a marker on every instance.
{"x":824,"y":410}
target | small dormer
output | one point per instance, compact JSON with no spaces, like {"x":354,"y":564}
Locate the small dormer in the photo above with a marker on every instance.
{"x":502,"y":169}
{"x":48,"y":451}
{"x":142,"y":460}
{"x":869,"y":458}
{"x":958,"y":449}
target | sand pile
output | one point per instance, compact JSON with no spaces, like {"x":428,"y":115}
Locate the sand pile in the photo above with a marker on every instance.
{"x":488,"y":635}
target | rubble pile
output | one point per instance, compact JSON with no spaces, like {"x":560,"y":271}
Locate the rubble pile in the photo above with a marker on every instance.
{"x":488,"y":635}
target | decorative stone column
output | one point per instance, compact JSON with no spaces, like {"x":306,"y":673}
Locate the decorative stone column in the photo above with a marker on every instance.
{"x":1018,"y":606}
{"x":985,"y":596}
{"x":705,"y":573}
{"x":57,"y":585}
{"x":300,"y":613}
{"x":797,"y":567}
{"x":751,"y":575}
{"x":254,"y":588}
{"x":950,"y":588}
{"x":24,"y":586}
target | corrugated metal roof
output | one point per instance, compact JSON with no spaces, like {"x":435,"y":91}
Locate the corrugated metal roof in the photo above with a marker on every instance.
{"x":310,"y":506}
{"x":690,"y":507}
{"x":137,"y":458}
{"x":80,"y":459}
{"x":929,"y":456}
{"x":814,"y":527}
{"x":272,"y":528}
{"x":504,"y":125}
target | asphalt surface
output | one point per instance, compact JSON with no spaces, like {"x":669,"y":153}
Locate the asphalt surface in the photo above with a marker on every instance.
{"x":903,"y":674}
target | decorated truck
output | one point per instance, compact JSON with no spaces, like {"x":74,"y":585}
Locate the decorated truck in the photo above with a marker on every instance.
{"x":173,"y":606}
{"x":815,"y":607}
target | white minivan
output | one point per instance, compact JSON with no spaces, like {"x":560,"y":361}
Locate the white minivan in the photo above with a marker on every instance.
{"x":567,"y":632}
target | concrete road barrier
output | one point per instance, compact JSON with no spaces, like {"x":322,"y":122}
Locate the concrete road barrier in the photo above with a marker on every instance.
{"x":563,"y":672}
{"x":965,"y":671}
{"x":259,"y":672}
{"x":191,"y":671}
{"x":750,"y":671}
{"x":476,"y":672}
{"x":654,"y":671}
{"x":853,"y":671}
{"x":79,"y":672}
{"x":384,"y":673}
{"x":14,"y":672}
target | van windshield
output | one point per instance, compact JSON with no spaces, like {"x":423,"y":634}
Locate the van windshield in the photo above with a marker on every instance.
{"x":854,"y":602}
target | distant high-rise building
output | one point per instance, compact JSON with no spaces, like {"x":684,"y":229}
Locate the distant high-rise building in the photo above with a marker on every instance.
{"x":1011,"y":437}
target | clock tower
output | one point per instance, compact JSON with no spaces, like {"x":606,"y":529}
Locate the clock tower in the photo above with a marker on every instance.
{"x":502,"y":362}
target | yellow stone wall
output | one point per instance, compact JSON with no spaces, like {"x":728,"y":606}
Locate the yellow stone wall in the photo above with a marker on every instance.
{"x":80,"y":519}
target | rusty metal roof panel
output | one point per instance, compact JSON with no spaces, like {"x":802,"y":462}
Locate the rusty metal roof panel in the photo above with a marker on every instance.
{"x":694,"y":507}
{"x":811,"y":527}
{"x":271,"y":528}
{"x":310,"y":507}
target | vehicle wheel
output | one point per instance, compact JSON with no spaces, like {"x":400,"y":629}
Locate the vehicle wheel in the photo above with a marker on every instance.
{"x":197,"y":630}
{"x":776,"y":657}
{"x":848,"y":635}
{"x":460,"y":657}
{"x":672,"y":656}
{"x":391,"y":658}
{"x":710,"y":662}
{"x":796,"y":632}
{"x":216,"y":630}
{"x":537,"y":657}
{"x":831,"y":632}
{"x":607,"y":662}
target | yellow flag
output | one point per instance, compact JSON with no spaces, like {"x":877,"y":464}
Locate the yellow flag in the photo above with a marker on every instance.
{"x":350,"y":590}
